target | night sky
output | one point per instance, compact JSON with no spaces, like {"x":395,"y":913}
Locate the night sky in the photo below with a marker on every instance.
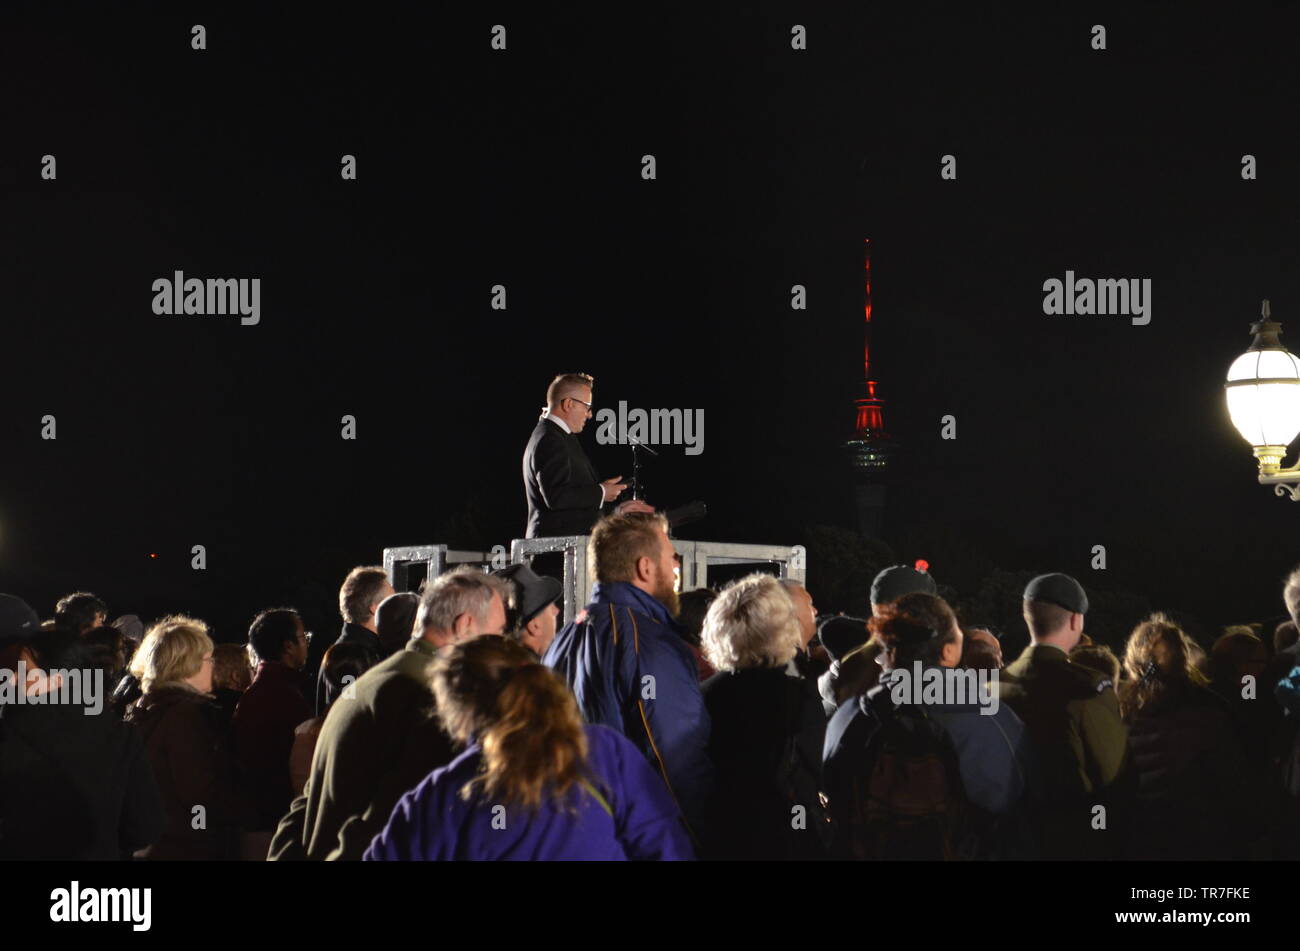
{"x":522,"y":168}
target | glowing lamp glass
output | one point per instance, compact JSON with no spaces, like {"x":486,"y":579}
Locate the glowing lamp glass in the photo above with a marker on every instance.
{"x":1263,"y":393}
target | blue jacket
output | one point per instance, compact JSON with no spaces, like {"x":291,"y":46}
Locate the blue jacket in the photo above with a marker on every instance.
{"x":631,"y":671}
{"x":633,"y":818}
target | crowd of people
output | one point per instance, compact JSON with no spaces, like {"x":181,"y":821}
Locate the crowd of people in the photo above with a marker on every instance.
{"x":460,"y":723}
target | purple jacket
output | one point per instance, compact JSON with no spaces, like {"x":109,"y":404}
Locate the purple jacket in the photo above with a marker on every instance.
{"x":434,"y":823}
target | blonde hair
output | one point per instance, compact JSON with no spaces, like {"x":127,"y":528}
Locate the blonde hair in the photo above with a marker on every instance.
{"x":171,"y":652}
{"x":751,"y":624}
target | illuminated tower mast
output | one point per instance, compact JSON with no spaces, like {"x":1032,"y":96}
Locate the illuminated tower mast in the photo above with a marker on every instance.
{"x":869,"y":447}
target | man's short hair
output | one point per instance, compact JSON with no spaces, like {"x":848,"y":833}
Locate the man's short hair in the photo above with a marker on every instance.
{"x":1291,"y":595}
{"x":271,"y":630}
{"x":618,"y":541}
{"x":78,"y":610}
{"x":464,"y":590}
{"x":751,"y":624}
{"x":1045,"y":618}
{"x":567,"y":384}
{"x":361,"y":589}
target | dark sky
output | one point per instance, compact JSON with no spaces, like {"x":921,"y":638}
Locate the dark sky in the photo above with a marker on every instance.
{"x":522,"y":168}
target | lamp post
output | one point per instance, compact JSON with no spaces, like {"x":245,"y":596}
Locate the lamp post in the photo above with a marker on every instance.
{"x":1263,"y":393}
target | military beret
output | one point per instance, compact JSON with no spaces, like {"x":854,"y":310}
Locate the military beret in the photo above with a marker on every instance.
{"x":899,"y":580}
{"x":1058,"y":589}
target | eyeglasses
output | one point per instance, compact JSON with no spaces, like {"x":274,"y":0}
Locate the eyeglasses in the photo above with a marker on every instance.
{"x":583,"y":402}
{"x":307,"y":636}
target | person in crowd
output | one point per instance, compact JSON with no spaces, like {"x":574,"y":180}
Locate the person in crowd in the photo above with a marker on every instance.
{"x":560,"y":484}
{"x":108,"y":652}
{"x":626,"y":635}
{"x":1237,"y":661}
{"x":532,"y":613}
{"x":394,"y":619}
{"x":1100,"y":658}
{"x":920,"y":774}
{"x":841,"y":634}
{"x":387,"y":736}
{"x":1197,"y":796}
{"x":981,"y":650}
{"x":75,"y":783}
{"x":132,"y":629}
{"x":183,"y":732}
{"x":857,"y":671}
{"x":1073,"y":721}
{"x":809,"y":666}
{"x":534,"y":782}
{"x":1285,"y":658}
{"x":80,"y":612}
{"x":18,"y":625}
{"x":767,"y":728}
{"x":342,"y":666}
{"x":694,"y":605}
{"x":231,"y":676}
{"x":363,"y":590}
{"x":1285,"y":635}
{"x":265,"y":720}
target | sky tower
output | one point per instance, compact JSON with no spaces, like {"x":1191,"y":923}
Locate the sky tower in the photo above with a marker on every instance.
{"x":869,"y":447}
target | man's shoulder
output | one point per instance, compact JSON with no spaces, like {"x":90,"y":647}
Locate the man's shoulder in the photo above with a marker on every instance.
{"x":403,"y":671}
{"x":1062,"y":682}
{"x":546,"y":431}
{"x":649,"y":629}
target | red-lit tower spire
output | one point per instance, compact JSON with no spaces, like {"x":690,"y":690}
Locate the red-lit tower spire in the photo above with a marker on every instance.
{"x":871,"y":409}
{"x":869,"y":447}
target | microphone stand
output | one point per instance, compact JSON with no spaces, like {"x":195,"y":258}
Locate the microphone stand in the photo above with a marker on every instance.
{"x":636,"y":465}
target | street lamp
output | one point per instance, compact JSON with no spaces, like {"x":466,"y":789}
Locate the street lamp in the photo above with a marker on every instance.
{"x":1263,"y":392}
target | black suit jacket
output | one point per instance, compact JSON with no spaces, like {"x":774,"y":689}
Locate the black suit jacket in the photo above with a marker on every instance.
{"x":352,"y":634}
{"x":564,"y":495}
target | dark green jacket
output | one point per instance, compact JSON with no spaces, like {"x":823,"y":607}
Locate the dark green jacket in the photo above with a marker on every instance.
{"x":1071,"y":716}
{"x":380,"y":738}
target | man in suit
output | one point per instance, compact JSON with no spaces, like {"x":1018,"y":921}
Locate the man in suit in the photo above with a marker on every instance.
{"x":564,"y":495}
